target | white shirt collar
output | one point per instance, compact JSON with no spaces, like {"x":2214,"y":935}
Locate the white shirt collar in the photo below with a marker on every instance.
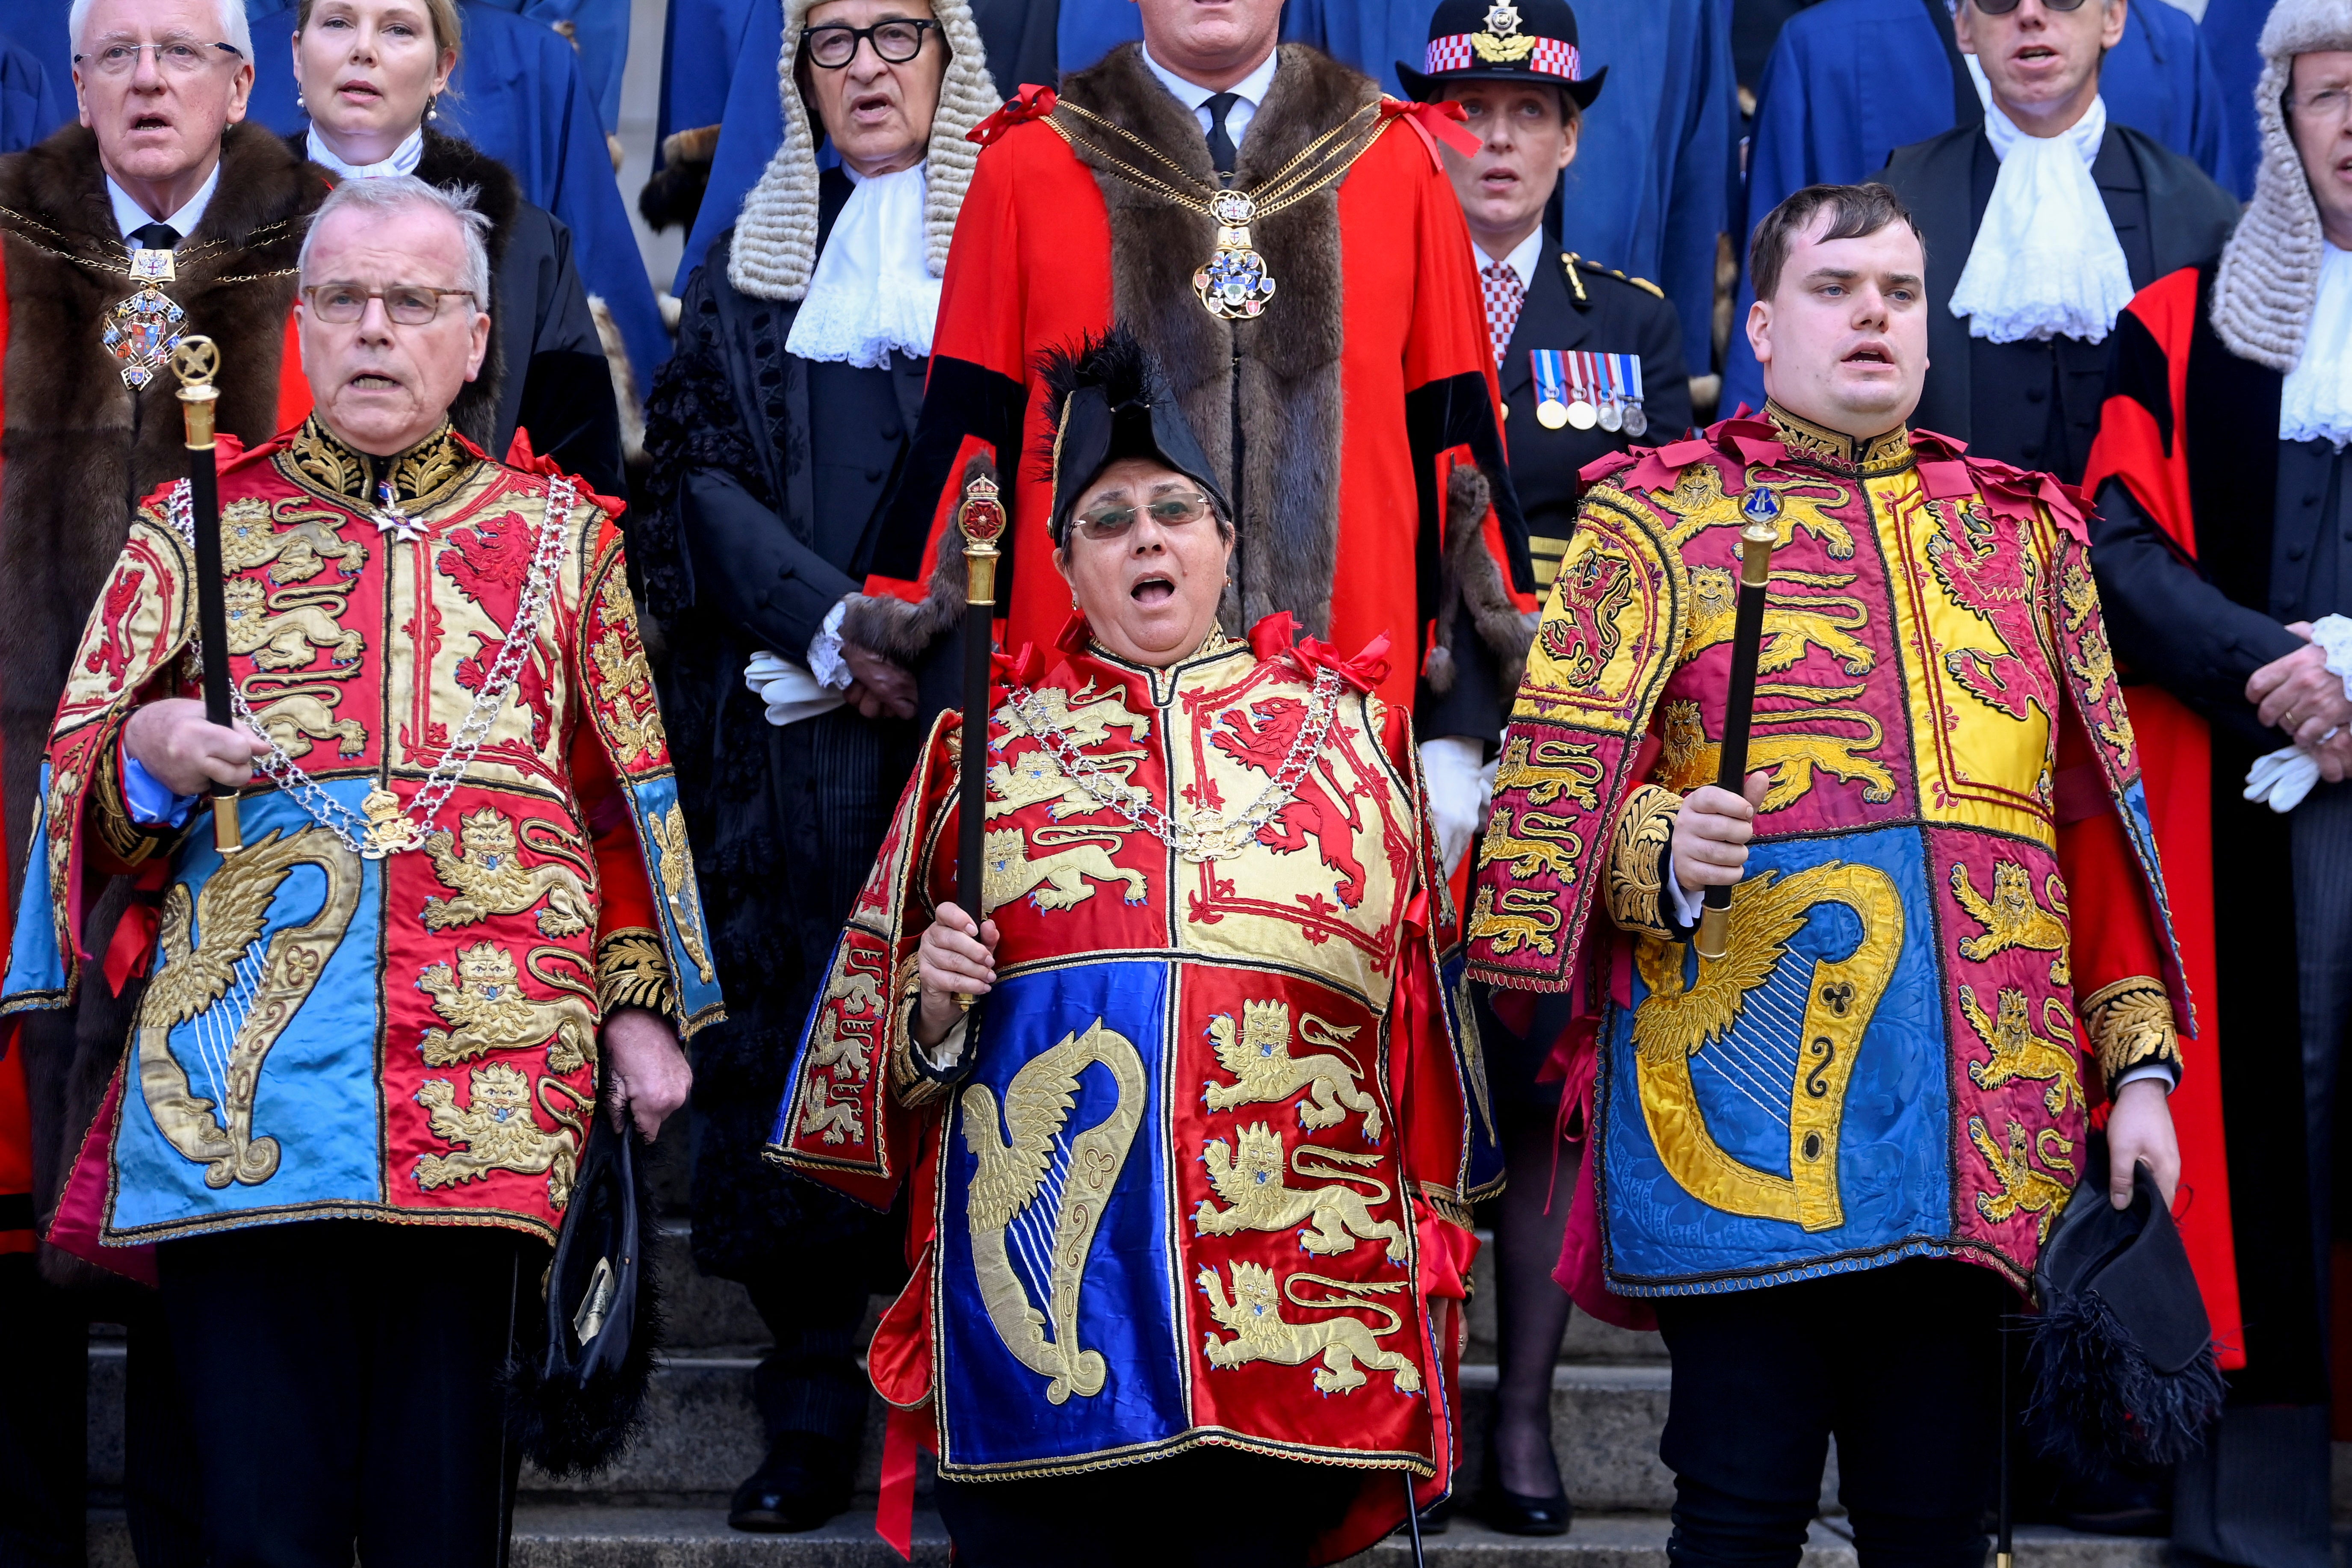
{"x":129,"y":215}
{"x":1522,"y":259}
{"x":403,"y":159}
{"x":1251,"y":89}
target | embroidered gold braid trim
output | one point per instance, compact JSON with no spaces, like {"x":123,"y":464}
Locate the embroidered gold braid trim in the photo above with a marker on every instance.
{"x":125,"y":837}
{"x":2130,"y":1025}
{"x":1637,"y":863}
{"x":913,"y":1086}
{"x":633,"y":972}
{"x":1884,"y":453}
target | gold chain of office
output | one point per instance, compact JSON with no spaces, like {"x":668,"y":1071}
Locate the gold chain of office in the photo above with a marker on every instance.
{"x":1233,"y":284}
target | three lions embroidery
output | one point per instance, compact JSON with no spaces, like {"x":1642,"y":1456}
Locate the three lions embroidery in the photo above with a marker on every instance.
{"x":1023,"y":1155}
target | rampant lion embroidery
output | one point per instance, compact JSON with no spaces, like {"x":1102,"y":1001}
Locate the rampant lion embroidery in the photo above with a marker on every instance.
{"x":2012,"y":919}
{"x":1259,"y":1058}
{"x":1581,"y":631}
{"x":285,"y":630}
{"x":484,"y":1006}
{"x":1333,"y":1218}
{"x":489,"y":878}
{"x":1345,"y":1345}
{"x":2025,"y":1189}
{"x":2018,"y":1052}
{"x":500,"y":1133}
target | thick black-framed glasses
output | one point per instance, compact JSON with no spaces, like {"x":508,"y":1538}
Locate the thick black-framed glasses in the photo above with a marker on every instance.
{"x":834,"y":44}
{"x":2003,"y":7}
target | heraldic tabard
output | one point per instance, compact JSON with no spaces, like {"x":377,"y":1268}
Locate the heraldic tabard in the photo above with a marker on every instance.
{"x":1888,"y":1063}
{"x":1224,"y":1116}
{"x":386,"y":1003}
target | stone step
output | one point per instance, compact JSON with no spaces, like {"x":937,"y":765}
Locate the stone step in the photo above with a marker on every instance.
{"x":585,"y":1536}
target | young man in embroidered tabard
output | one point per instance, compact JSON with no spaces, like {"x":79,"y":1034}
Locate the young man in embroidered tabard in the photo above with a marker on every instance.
{"x":161,"y":212}
{"x":369,"y":1053}
{"x":2038,"y":225}
{"x":1826,"y":1162}
{"x":1284,"y":238}
{"x":775,"y":433}
{"x":1591,"y":361}
{"x":1193,"y":1189}
{"x":2225,"y":497}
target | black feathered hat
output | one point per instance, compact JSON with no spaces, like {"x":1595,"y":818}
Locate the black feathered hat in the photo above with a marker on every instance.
{"x":1513,"y":40}
{"x":2122,"y":1353}
{"x":1107,"y":400}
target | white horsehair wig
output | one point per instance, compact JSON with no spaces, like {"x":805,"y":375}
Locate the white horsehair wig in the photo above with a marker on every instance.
{"x":235,"y":29}
{"x":400,"y":193}
{"x":774,"y":251}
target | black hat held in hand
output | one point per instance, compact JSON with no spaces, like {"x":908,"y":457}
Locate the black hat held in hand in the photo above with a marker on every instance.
{"x":1108,"y":400}
{"x":1516,"y":40}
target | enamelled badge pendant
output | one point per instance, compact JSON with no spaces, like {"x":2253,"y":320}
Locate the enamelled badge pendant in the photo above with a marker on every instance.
{"x":1235,"y":285}
{"x":142,"y":330}
{"x":389,"y":518}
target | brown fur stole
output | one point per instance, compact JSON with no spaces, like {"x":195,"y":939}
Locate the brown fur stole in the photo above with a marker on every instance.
{"x":1474,"y":584}
{"x":449,"y":162}
{"x":81,"y":449}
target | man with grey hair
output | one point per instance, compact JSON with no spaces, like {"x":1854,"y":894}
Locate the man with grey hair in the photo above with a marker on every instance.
{"x":2223,"y":548}
{"x":160,"y":214}
{"x":371,"y":1077}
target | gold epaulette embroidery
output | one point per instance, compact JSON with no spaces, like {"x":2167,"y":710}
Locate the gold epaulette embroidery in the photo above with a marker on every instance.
{"x":1637,"y":863}
{"x":1575,"y":261}
{"x":633,"y":972}
{"x":2130,"y":1025}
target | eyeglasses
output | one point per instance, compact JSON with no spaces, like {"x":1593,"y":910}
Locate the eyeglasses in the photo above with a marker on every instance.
{"x":1168,"y":511}
{"x":408,"y":304}
{"x":834,"y":45}
{"x":2327,"y":103}
{"x":181,"y":56}
{"x":2003,"y":7}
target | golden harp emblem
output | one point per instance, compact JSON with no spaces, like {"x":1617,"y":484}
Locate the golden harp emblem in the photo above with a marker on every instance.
{"x":237,"y":998}
{"x":1073,"y":1177}
{"x":1779,"y":1032}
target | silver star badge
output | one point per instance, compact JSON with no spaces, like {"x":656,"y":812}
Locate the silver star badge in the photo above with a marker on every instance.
{"x":390,"y":519}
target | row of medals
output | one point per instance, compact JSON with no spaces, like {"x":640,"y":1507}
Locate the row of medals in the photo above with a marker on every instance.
{"x":1611,"y":413}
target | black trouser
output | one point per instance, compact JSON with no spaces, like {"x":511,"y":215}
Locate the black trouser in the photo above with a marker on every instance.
{"x":812,"y":1382}
{"x":1901,"y":1364}
{"x":343,"y":1378}
{"x":41,"y":1420}
{"x":1206,"y":1508}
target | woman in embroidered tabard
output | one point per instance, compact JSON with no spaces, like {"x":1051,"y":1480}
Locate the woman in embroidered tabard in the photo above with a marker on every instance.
{"x":370,"y":71}
{"x":1190,"y":1183}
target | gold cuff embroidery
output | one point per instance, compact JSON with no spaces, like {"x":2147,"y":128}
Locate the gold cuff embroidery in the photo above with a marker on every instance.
{"x":125,"y":837}
{"x":910,"y":1083}
{"x":1637,"y":863}
{"x":633,"y":972}
{"x":2130,"y":1025}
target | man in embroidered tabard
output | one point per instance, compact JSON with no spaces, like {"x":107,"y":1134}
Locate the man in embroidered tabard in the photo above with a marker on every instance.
{"x":161,"y":212}
{"x":1285,"y":240}
{"x":368,"y":1058}
{"x":2222,"y":548}
{"x":1826,"y":1162}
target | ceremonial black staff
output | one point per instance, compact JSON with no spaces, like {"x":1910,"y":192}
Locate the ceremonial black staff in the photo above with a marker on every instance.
{"x":1755,"y":542}
{"x":979,"y":517}
{"x":195,"y":361}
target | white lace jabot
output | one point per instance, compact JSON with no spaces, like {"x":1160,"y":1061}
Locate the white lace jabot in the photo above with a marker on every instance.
{"x":2315,"y":404}
{"x":2045,"y":263}
{"x":871,"y":293}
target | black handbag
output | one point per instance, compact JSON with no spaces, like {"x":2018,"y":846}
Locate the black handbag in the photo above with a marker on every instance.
{"x":576,"y":1387}
{"x":2121,"y":1355}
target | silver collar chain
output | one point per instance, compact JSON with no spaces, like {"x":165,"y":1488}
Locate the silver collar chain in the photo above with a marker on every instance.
{"x":1199,"y":838}
{"x":380,"y":827}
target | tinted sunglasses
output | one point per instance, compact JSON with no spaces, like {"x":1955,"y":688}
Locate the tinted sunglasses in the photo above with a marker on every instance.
{"x":2003,"y":7}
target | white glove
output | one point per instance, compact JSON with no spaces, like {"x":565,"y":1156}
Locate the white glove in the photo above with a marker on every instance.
{"x":2281,"y":779}
{"x":2333,"y":633}
{"x":1459,"y":790}
{"x":791,"y":692}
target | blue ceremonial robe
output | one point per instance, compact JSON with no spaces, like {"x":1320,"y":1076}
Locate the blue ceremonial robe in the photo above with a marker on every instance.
{"x":751,"y":129}
{"x":39,"y":27}
{"x":600,"y":31}
{"x":517,"y":95}
{"x":701,"y":41}
{"x":28,"y":110}
{"x":2233,"y":31}
{"x":1851,"y":81}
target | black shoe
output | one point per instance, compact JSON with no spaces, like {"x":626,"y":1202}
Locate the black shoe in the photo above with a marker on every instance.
{"x":804,"y":1482}
{"x":1437,"y":1516}
{"x":1515,"y":1514}
{"x":2116,"y":1503}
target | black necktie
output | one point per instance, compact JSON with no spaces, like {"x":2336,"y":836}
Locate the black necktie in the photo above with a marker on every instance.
{"x":156,"y":237}
{"x":1221,"y":143}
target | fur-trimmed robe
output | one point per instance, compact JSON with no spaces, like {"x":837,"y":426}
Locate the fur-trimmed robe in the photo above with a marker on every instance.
{"x":546,"y":370}
{"x":80,"y":449}
{"x":1332,"y":416}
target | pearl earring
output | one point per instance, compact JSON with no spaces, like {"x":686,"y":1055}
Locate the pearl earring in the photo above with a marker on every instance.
{"x":299,"y":102}
{"x":430,"y":111}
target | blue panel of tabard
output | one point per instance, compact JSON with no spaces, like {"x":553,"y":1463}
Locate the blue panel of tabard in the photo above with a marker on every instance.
{"x":997,"y":1409}
{"x":1894,"y":1135}
{"x":316,"y":1094}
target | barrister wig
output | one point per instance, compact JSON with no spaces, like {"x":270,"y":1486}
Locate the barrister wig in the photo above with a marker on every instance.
{"x":1107,"y":399}
{"x":775,"y":233}
{"x":2269,"y":277}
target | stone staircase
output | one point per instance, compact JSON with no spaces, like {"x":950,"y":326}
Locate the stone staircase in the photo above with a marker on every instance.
{"x":663,"y":1505}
